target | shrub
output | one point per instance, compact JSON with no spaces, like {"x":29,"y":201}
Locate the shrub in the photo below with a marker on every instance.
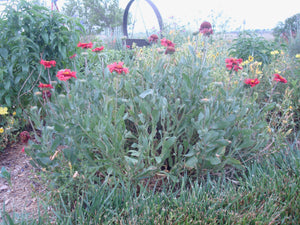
{"x":250,"y":44}
{"x":30,"y":33}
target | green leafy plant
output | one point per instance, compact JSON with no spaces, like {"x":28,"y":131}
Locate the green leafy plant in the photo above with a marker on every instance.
{"x":30,"y":33}
{"x":250,"y":44}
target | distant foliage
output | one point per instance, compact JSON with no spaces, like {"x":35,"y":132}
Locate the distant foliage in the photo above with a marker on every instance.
{"x":250,"y":44}
{"x":289,"y":28}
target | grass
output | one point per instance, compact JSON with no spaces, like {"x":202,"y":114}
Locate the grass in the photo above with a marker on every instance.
{"x":267,"y":192}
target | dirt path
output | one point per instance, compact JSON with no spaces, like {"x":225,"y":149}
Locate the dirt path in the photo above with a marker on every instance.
{"x":20,"y":198}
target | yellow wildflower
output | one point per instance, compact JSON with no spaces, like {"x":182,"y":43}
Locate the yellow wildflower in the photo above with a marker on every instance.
{"x":269,"y":130}
{"x":1,"y":130}
{"x":3,"y":110}
{"x":250,"y":58}
{"x":14,"y":113}
{"x":298,"y":56}
{"x":277,"y":71}
{"x":291,"y":107}
{"x":275,"y":52}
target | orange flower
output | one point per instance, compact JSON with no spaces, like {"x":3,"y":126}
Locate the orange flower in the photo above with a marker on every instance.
{"x":117,"y":67}
{"x":85,"y":45}
{"x":65,"y":75}
{"x":98,"y":49}
{"x":252,"y":82}
{"x":279,"y":78}
{"x":48,"y":64}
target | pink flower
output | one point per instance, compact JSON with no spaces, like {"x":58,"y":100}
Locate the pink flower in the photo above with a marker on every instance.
{"x":98,"y":49}
{"x":66,"y":74}
{"x":118,"y":67}
{"x":279,"y":78}
{"x":23,"y":149}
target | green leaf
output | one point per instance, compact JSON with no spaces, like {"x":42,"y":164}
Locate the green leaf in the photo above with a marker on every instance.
{"x":214,"y":160}
{"x":59,"y":128}
{"x":233,"y":162}
{"x":191,"y":162}
{"x":4,"y":53}
{"x":146,"y":93}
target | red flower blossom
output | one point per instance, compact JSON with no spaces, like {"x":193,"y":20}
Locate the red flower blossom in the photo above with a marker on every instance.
{"x":234,"y":64}
{"x":41,"y":85}
{"x":65,"y":75}
{"x":252,"y":82}
{"x":98,"y":49}
{"x":48,"y":64}
{"x":127,"y":46}
{"x":23,"y":149}
{"x":73,"y":56}
{"x":167,"y":43}
{"x":24,"y":136}
{"x":170,"y":50}
{"x":117,"y":67}
{"x":206,"y":29}
{"x":153,"y":38}
{"x":279,"y":78}
{"x":85,"y":45}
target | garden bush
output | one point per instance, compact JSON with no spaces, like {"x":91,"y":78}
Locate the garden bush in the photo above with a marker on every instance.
{"x":30,"y":33}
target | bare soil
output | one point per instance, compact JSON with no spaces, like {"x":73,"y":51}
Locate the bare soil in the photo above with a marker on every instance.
{"x":21,"y":198}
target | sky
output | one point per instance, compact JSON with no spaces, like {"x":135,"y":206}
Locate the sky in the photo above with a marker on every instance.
{"x":234,"y":14}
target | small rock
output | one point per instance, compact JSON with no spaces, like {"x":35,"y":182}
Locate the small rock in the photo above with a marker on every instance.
{"x":3,"y":187}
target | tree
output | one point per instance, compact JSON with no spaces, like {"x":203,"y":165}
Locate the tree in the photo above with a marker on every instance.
{"x":289,"y":28}
{"x":95,"y":14}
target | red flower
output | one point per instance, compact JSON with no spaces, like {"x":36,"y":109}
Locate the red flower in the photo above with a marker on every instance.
{"x":41,"y":85}
{"x":206,"y":29}
{"x":85,"y":45}
{"x":279,"y":78}
{"x":23,"y":149}
{"x":24,"y":136}
{"x":252,"y":82}
{"x":167,"y":43}
{"x":48,"y":64}
{"x":153,"y":38}
{"x":118,"y":67}
{"x":234,"y":64}
{"x":73,"y":56}
{"x":170,"y":50}
{"x":98,"y":49}
{"x":127,"y":46}
{"x":65,"y":75}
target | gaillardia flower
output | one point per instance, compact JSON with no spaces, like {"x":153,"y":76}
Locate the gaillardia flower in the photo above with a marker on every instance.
{"x":65,"y":74}
{"x":252,"y":82}
{"x":118,"y":67}
{"x":41,"y":85}
{"x":170,"y":50}
{"x":85,"y":45}
{"x":206,"y":29}
{"x":167,"y":43}
{"x":48,"y":64}
{"x":99,"y":49}
{"x":279,"y":78}
{"x":232,"y":63}
{"x":153,"y":38}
